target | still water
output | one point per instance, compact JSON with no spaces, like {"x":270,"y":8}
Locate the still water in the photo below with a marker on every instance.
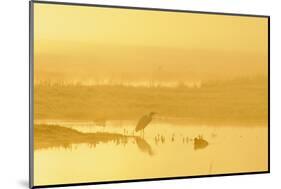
{"x":168,"y":149}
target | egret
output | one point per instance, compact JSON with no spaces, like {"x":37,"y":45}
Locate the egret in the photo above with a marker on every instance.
{"x":144,"y":121}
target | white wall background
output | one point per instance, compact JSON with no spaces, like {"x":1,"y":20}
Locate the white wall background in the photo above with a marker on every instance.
{"x":14,"y":93}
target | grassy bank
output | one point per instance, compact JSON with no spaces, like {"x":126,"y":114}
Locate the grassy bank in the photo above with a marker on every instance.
{"x":48,"y":136}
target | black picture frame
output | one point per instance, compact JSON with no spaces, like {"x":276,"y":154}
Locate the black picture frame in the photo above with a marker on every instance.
{"x":31,"y":85}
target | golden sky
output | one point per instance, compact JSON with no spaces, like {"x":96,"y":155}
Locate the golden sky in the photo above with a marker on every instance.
{"x":94,"y":34}
{"x":123,"y":26}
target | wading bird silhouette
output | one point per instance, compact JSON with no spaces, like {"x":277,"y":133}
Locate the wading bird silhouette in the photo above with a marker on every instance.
{"x":144,"y":121}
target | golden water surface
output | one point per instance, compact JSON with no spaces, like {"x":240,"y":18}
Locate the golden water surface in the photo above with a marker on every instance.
{"x":230,"y":149}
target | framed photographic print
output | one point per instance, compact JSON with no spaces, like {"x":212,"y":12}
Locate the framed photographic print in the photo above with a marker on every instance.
{"x":120,"y":94}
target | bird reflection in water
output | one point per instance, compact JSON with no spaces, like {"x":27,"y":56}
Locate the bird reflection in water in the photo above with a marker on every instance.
{"x":143,"y":145}
{"x":61,"y":137}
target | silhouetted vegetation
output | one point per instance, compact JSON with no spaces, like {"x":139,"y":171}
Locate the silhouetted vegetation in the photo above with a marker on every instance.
{"x":53,"y":136}
{"x":242,"y":100}
{"x":47,"y":136}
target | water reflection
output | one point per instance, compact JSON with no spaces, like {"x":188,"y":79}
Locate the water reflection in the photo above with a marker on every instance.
{"x":159,"y":139}
{"x":53,"y":136}
{"x":143,"y":145}
{"x":100,"y":154}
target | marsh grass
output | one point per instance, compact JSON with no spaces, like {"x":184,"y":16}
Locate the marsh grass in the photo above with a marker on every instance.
{"x":242,"y":99}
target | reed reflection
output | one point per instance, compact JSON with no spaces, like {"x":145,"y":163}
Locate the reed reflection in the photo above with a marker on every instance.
{"x":54,"y":136}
